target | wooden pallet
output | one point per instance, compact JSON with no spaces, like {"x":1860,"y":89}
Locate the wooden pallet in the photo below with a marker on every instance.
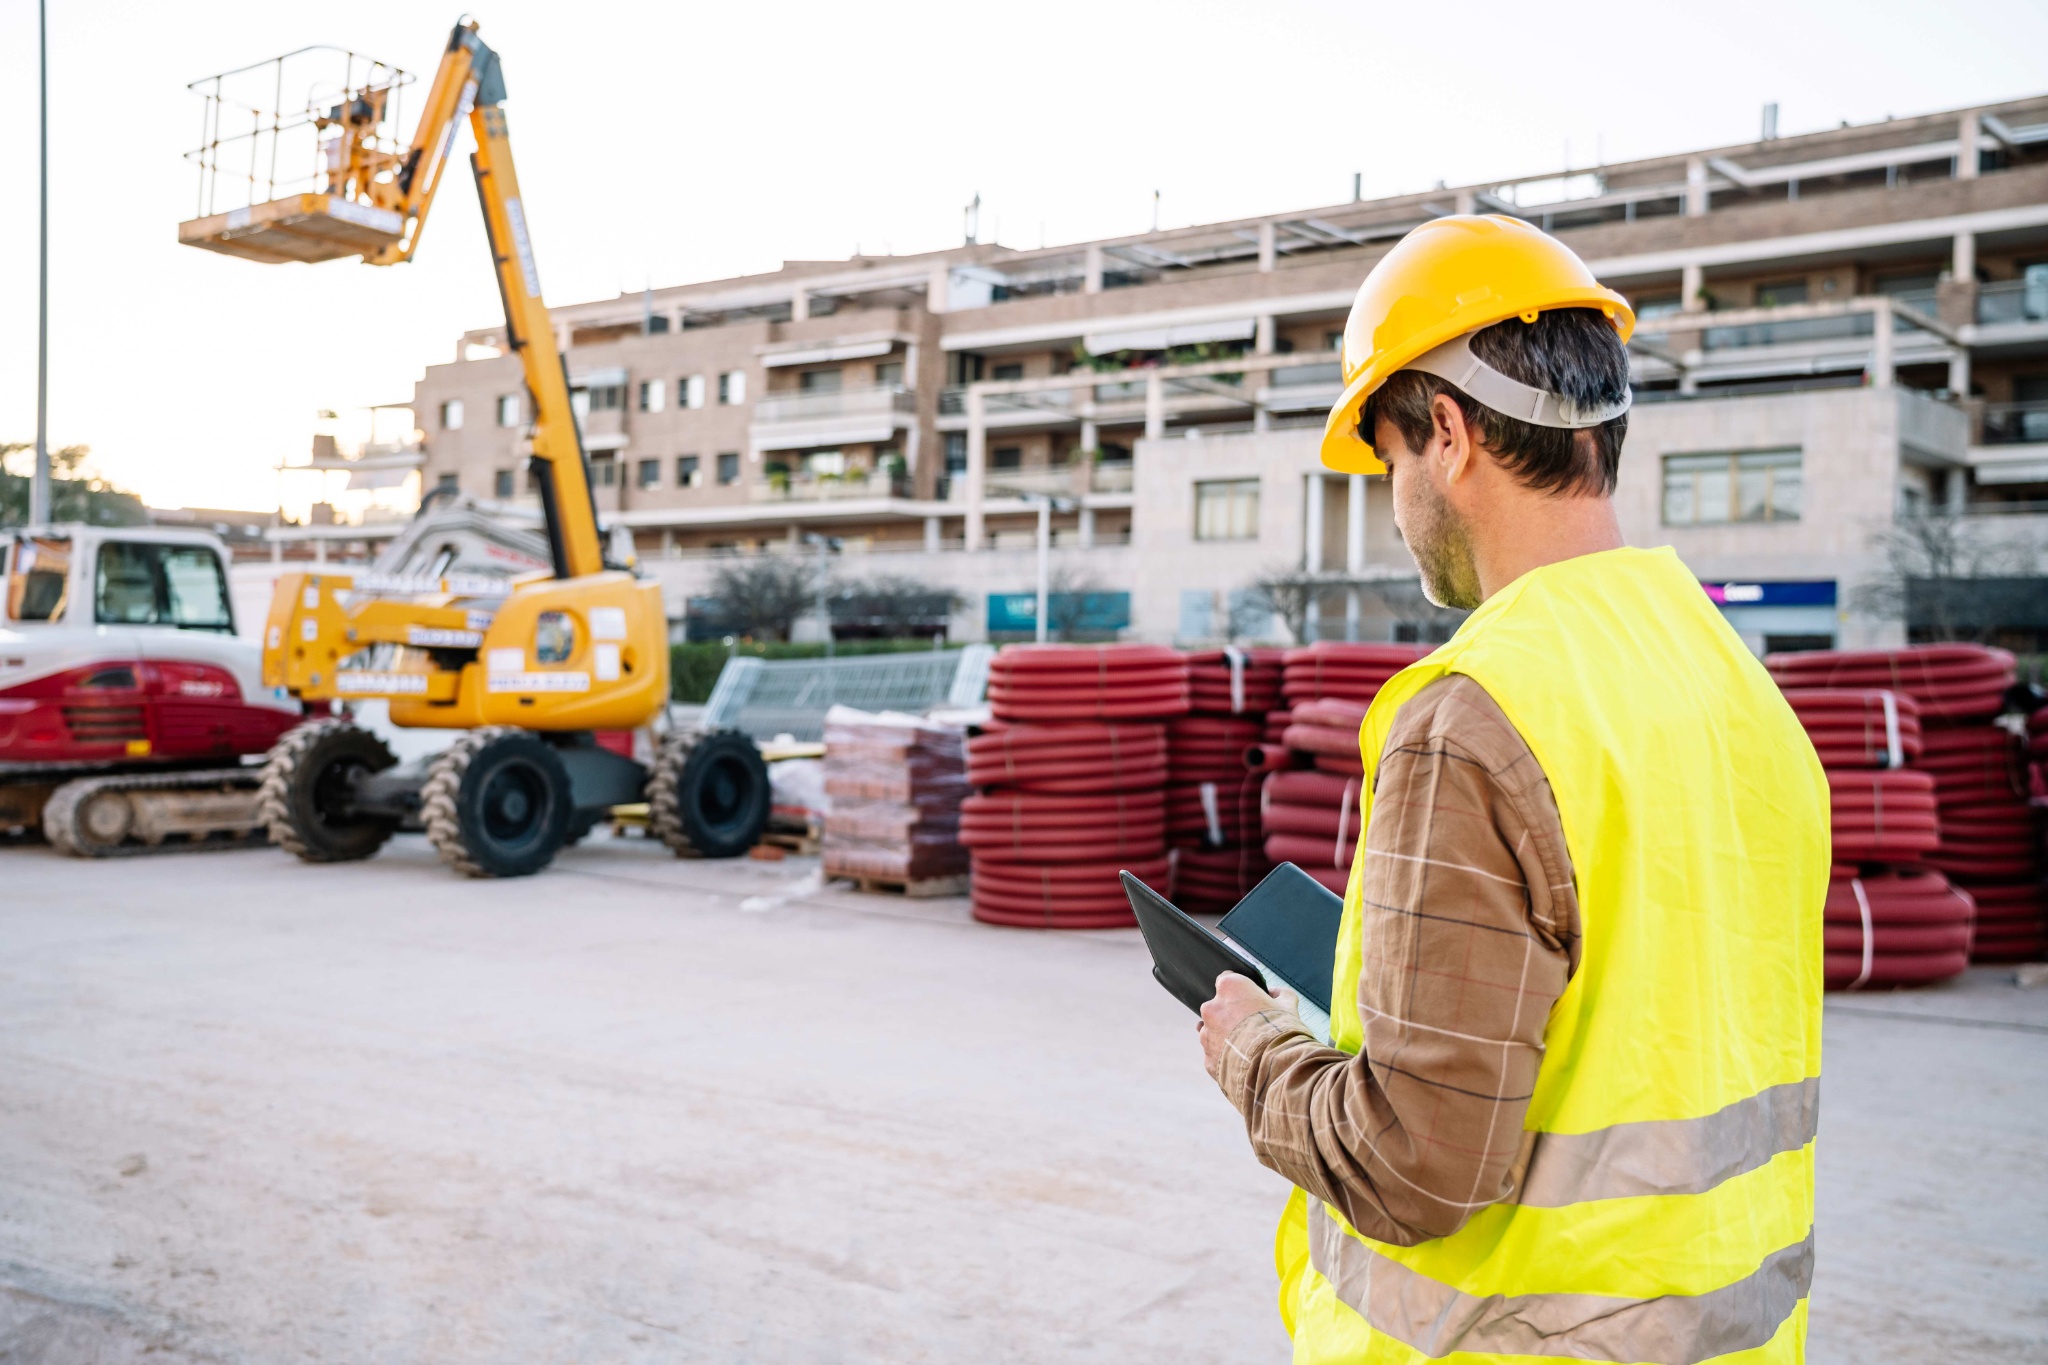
{"x":913,"y":887}
{"x":803,"y":843}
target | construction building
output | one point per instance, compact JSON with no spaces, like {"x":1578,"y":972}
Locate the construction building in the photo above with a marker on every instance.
{"x":1836,"y":329}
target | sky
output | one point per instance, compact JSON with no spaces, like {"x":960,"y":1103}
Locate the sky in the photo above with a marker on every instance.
{"x":668,"y":143}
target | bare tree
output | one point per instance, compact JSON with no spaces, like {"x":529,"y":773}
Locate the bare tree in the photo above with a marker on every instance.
{"x":1289,"y":594}
{"x":763,"y":596}
{"x":1942,"y":573}
{"x":1074,"y":595}
{"x":1405,"y":601}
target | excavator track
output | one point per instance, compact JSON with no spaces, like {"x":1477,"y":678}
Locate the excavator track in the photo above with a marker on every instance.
{"x":133,"y":814}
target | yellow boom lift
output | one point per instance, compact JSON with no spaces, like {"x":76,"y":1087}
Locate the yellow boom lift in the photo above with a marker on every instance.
{"x":530,"y":667}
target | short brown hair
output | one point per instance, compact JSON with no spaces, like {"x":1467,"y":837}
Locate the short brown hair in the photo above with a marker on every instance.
{"x":1572,"y":352}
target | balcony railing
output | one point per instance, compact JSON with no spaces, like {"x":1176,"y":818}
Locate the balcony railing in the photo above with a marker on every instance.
{"x":1111,"y":476}
{"x":1060,"y":402}
{"x":2013,"y":424}
{"x":1789,"y":333}
{"x":807,"y":407}
{"x":1307,"y":375}
{"x":2013,"y":301}
{"x":828,"y":488}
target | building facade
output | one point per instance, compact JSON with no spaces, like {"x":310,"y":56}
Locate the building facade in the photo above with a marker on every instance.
{"x":1837,"y":329}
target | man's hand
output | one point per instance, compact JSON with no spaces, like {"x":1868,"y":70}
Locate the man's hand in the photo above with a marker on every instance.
{"x":1237,"y":999}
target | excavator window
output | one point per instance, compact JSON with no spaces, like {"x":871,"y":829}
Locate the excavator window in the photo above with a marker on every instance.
{"x":141,"y":584}
{"x":38,"y":578}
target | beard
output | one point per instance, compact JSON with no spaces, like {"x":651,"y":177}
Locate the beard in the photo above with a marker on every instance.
{"x":1443,"y":552}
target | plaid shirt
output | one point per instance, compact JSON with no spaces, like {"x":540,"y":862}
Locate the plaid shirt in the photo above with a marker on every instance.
{"x":1471,"y":930}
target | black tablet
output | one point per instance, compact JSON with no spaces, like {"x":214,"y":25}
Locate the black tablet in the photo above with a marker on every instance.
{"x":1186,"y":957}
{"x":1289,"y":922}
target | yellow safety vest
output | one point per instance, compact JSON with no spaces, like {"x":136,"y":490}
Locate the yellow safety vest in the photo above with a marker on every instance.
{"x":1666,"y":1213}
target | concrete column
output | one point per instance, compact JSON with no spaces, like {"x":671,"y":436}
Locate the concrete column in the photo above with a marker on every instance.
{"x":1881,"y":349}
{"x":1959,"y":372}
{"x":1155,"y":405}
{"x":1967,"y":132}
{"x":1089,"y":438}
{"x":936,"y":287}
{"x":1354,"y":529}
{"x":977,"y":460}
{"x":799,"y":304}
{"x":277,"y":552}
{"x":319,"y":549}
{"x":932,"y":536}
{"x":668,"y":542}
{"x":1956,"y":492}
{"x":1312,"y":540}
{"x":1963,"y":262}
{"x":1353,"y":609}
{"x":1263,"y":335}
{"x":1269,"y":246}
{"x":910,"y":453}
{"x":1696,"y":187}
{"x":1693,"y":287}
{"x":1091,"y":271}
{"x":1465,"y":202}
{"x":1085,"y":532}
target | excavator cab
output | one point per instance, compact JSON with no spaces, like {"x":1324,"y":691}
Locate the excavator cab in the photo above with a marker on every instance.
{"x":529,"y":669}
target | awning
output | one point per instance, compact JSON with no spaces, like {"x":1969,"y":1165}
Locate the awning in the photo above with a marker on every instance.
{"x":598,"y":379}
{"x":817,"y":355}
{"x":604,"y":440}
{"x":1160,"y":338}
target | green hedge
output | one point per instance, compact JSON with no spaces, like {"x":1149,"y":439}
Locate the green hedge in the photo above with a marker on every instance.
{"x":693,"y":669}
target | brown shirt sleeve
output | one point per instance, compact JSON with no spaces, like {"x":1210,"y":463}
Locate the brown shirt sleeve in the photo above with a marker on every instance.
{"x":1471,"y":930}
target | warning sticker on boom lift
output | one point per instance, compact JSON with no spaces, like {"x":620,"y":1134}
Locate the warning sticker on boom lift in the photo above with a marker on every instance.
{"x":540,"y":682}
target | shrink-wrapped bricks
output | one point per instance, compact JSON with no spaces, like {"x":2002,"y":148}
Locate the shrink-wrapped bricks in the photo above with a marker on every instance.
{"x":896,"y":784}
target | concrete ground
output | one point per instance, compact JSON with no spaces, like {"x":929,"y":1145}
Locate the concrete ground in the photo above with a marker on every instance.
{"x":638,"y":1109}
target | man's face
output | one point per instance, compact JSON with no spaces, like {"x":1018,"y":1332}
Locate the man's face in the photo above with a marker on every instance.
{"x":1433,"y":531}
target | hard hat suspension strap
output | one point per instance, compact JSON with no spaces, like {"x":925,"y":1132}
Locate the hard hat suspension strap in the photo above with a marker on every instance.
{"x":1454,"y":361}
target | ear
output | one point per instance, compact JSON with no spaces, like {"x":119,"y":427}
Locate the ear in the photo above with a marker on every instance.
{"x":1455,"y":452}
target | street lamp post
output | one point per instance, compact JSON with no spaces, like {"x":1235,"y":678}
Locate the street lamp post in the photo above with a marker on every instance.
{"x":39,"y":483}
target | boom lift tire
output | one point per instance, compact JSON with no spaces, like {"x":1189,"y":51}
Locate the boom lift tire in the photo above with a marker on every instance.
{"x":304,"y":797}
{"x":497,"y":803}
{"x":709,"y":794}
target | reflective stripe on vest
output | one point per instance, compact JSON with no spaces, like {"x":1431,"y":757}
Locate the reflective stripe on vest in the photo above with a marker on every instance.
{"x":1665,"y":1212}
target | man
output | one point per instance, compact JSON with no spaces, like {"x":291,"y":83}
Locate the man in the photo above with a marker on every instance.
{"x":1571,"y":1105}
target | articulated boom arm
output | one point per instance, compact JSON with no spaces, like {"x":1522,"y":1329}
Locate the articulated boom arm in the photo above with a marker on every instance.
{"x":470,"y":83}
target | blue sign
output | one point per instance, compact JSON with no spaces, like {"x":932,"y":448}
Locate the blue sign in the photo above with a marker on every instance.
{"x":1752,"y":593}
{"x":1014,"y":613}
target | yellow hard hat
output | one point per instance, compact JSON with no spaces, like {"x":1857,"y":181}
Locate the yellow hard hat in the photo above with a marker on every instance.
{"x":1448,"y":278}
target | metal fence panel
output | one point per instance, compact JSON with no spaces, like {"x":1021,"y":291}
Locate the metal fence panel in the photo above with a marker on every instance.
{"x":770,"y":697}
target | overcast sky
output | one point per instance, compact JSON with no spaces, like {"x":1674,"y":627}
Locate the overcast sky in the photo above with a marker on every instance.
{"x":670,"y":143}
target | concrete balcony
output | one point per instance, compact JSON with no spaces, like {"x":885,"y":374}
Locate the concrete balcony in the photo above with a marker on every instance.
{"x":805,"y":421}
{"x":2012,"y":301}
{"x":2011,"y":446}
{"x":843,"y":488}
{"x":1303,"y":388}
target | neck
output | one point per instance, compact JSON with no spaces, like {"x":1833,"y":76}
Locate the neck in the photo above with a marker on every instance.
{"x":1542,"y":529}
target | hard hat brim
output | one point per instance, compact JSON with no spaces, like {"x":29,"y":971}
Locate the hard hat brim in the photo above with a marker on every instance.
{"x":1344,"y":450}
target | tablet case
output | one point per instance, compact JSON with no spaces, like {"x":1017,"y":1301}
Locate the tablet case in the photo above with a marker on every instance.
{"x":1186,"y":957}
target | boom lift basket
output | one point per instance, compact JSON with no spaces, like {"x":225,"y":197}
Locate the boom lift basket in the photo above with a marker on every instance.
{"x":285,"y":180}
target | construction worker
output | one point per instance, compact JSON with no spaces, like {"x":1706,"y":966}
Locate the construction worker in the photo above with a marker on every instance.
{"x":1571,"y":1104}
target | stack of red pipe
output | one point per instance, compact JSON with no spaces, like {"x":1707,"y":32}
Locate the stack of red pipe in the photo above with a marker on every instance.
{"x":1212,"y":810}
{"x":1895,"y":928}
{"x":1234,"y":682}
{"x":1072,"y":774}
{"x":1989,"y":836}
{"x":1986,"y":844}
{"x":1870,"y":727}
{"x":1309,"y":810}
{"x":1345,"y":672}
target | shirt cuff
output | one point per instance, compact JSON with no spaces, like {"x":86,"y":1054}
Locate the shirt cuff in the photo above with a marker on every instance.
{"x":1247,"y":1044}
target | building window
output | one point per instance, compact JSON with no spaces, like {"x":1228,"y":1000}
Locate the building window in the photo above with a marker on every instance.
{"x":1227,"y":509}
{"x":690,"y":391}
{"x":650,"y":474}
{"x":653,"y":395}
{"x":1333,"y":341}
{"x":687,"y":473}
{"x":1659,"y":305}
{"x":451,"y":415}
{"x":607,"y":397}
{"x":448,"y":483}
{"x":1710,"y":490}
{"x":819,"y":381}
{"x":732,"y":388}
{"x":956,"y":452}
{"x":729,"y":466}
{"x":1007,"y":457}
{"x":1011,"y":371}
{"x":508,"y":409}
{"x":1779,"y":293}
{"x":889,"y":374}
{"x":501,"y":484}
{"x":657,"y":323}
{"x":604,"y":471}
